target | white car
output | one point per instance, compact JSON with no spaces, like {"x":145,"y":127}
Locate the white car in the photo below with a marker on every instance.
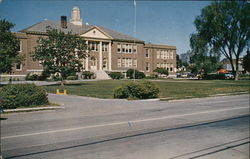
{"x":229,"y":76}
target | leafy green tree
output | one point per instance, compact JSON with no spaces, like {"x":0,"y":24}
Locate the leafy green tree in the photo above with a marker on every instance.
{"x":161,"y":71}
{"x":223,"y":28}
{"x":60,"y":53}
{"x":131,"y":73}
{"x":178,"y":61}
{"x":9,"y":46}
{"x":246,"y":62}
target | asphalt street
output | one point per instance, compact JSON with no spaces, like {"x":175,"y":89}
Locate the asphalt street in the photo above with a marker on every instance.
{"x":215,"y":127}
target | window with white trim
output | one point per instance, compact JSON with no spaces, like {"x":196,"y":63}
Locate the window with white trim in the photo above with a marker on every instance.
{"x":20,"y":46}
{"x":135,"y":62}
{"x":93,"y":46}
{"x":134,"y":49}
{"x":119,"y":62}
{"x":147,"y":66}
{"x":105,"y":47}
{"x":158,"y":54}
{"x":18,"y":67}
{"x":119,"y":48}
{"x":147,"y":53}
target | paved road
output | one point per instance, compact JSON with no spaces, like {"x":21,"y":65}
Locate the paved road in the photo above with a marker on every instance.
{"x":216,"y":127}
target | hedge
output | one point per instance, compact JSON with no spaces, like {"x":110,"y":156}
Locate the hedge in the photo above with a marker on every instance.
{"x":137,"y":90}
{"x":116,"y":75}
{"x":18,"y":95}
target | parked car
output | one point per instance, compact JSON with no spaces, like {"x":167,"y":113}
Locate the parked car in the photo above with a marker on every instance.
{"x":229,"y":76}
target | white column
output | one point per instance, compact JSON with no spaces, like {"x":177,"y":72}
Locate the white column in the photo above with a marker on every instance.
{"x":87,"y":59}
{"x":109,"y":61}
{"x":100,"y":56}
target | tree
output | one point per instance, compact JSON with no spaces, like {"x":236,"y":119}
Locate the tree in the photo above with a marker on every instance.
{"x":9,"y":46}
{"x":131,"y":73}
{"x":223,"y":28}
{"x":60,"y":53}
{"x":178,"y":61}
{"x":161,"y":71}
{"x":246,"y":62}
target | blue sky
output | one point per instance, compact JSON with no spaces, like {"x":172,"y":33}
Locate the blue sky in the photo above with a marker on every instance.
{"x":160,"y":22}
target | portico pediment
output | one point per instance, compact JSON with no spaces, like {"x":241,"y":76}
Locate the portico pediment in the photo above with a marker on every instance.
{"x":96,"y":33}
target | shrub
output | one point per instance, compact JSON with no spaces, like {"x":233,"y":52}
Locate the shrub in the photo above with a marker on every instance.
{"x":72,"y":78}
{"x":33,"y":77}
{"x":57,"y":77}
{"x":16,"y":95}
{"x":214,"y":76}
{"x":137,"y":90}
{"x":116,"y":75}
{"x":88,"y":75}
{"x":36,"y":77}
{"x":161,"y":71}
{"x":44,"y":75}
{"x":138,"y":74}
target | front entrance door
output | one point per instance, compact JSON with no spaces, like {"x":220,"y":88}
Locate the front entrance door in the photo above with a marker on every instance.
{"x":104,"y":64}
{"x":93,"y":63}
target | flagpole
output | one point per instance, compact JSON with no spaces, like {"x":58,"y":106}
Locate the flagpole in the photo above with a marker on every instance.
{"x":134,"y":39}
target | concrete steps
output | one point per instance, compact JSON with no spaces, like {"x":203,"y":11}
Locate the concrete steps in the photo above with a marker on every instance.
{"x":100,"y":74}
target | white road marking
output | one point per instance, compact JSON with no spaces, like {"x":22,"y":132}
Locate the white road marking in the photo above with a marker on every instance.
{"x":124,"y":122}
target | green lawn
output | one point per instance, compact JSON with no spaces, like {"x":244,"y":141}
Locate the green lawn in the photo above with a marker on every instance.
{"x":169,"y":89}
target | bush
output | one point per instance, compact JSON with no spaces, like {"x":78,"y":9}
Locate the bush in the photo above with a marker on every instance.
{"x":33,"y":77}
{"x":214,"y":76}
{"x":72,"y":78}
{"x":36,"y":77}
{"x":137,"y":90}
{"x":138,"y":74}
{"x":17,"y":95}
{"x":161,"y":71}
{"x":56,"y":77}
{"x":116,"y":75}
{"x":87,"y":75}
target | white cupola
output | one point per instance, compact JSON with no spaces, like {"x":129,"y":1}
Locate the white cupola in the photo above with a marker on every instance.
{"x":76,"y":17}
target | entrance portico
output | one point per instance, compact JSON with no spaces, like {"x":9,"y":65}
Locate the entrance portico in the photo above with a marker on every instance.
{"x":99,"y":53}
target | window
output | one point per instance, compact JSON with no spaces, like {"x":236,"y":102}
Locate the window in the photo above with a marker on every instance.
{"x":123,"y":62}
{"x":130,"y":48}
{"x":162,"y":55}
{"x":171,"y":67}
{"x":147,"y":53}
{"x":171,"y":55}
{"x":135,"y":49}
{"x":158,"y":56}
{"x":18,"y":67}
{"x":20,"y":47}
{"x":135,"y":62}
{"x":130,"y":63}
{"x":147,"y":66}
{"x":104,"y":47}
{"x":119,"y":48}
{"x":168,"y":54}
{"x":126,"y":48}
{"x":93,"y":46}
{"x":119,"y":62}
{"x":123,"y":48}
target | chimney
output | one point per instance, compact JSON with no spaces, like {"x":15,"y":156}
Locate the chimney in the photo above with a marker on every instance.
{"x":64,"y":22}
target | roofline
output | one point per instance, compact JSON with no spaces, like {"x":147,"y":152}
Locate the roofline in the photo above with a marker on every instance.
{"x":131,"y":41}
{"x":96,"y":27}
{"x":159,"y":46}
